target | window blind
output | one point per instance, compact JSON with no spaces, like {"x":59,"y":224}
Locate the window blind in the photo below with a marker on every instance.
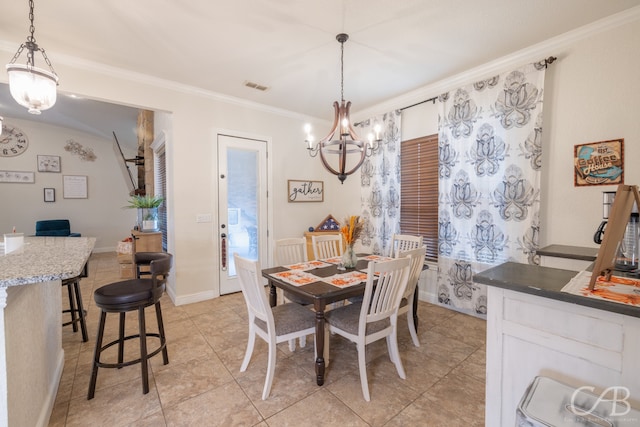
{"x":419,"y":191}
{"x":161,"y":188}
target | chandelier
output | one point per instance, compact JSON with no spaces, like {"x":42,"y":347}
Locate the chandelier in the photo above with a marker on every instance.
{"x":347,"y":141}
{"x":32,"y":87}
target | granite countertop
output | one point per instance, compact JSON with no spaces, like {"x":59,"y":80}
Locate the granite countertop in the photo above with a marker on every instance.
{"x":571,"y":252}
{"x":43,"y":259}
{"x":545,"y":282}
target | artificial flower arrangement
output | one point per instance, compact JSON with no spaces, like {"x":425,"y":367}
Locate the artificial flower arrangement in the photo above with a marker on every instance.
{"x":352,"y":229}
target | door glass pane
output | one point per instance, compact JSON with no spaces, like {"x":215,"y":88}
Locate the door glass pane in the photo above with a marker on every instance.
{"x":242,"y":202}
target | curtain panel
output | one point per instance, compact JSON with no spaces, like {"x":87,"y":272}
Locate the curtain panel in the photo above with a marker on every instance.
{"x":489,"y":181}
{"x":380,"y":184}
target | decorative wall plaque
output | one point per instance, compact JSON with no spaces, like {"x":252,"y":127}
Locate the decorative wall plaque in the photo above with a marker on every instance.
{"x":599,"y":163}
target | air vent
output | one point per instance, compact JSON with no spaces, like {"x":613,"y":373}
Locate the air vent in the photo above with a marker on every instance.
{"x":256,"y":86}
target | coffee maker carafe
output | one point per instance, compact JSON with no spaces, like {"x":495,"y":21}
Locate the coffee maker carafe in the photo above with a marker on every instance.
{"x":628,"y":248}
{"x":607,"y":202}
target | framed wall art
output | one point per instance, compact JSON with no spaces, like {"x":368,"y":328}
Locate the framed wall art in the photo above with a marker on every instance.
{"x":48,"y":163}
{"x":74,"y":187}
{"x":305,"y":191}
{"x":49,"y":194}
{"x":18,"y":177}
{"x":599,"y":163}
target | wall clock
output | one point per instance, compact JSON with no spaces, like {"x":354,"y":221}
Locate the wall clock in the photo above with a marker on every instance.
{"x":13,"y":141}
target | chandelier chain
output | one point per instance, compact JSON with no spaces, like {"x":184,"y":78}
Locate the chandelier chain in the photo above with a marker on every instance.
{"x":46,"y":60}
{"x":32,"y":28}
{"x":31,"y":45}
{"x":15,"y":57}
{"x":342,"y":70}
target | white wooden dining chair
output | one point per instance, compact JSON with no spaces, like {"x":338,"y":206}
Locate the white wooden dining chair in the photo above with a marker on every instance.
{"x":274,"y":325}
{"x":406,"y":304}
{"x":376,"y":316}
{"x":404,"y":242}
{"x":289,"y":251}
{"x":328,"y":246}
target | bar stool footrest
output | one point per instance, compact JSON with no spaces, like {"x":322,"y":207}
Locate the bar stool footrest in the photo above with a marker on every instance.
{"x":130,"y":362}
{"x":78,"y":320}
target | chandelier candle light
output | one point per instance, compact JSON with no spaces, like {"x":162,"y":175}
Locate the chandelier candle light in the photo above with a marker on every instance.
{"x":350,"y":233}
{"x":348,"y":141}
{"x":32,"y":87}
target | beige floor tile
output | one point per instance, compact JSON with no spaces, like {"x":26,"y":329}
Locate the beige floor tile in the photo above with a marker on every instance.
{"x":118,"y":405}
{"x":473,"y":366}
{"x":179,"y":382}
{"x":459,"y":395}
{"x":289,"y":385}
{"x":224,"y":406}
{"x":309,"y":412}
{"x":202,"y":385}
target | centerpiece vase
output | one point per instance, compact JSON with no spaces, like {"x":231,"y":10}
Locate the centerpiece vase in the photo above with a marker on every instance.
{"x":349,"y":257}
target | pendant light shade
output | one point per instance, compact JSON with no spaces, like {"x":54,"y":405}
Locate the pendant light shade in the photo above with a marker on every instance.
{"x":32,"y":87}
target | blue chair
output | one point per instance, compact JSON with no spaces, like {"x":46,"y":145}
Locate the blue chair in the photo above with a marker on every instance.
{"x":55,"y":227}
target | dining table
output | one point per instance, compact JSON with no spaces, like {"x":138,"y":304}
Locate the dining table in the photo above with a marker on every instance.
{"x":321,"y":283}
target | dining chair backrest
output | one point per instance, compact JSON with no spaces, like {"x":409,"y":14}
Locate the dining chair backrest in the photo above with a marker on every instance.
{"x":248,"y":272}
{"x":290,"y":251}
{"x":417,"y":262}
{"x":404,"y":242}
{"x":382,"y":300}
{"x":328,"y":246}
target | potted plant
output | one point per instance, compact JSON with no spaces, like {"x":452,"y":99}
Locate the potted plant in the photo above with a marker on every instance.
{"x":147,"y":211}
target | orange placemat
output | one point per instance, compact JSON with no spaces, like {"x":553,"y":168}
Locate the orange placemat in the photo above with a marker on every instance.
{"x":623,"y":290}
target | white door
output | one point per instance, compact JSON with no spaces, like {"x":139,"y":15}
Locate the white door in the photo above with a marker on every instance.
{"x":242,"y":205}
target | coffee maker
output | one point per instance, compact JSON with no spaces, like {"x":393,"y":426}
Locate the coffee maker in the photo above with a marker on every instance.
{"x":607,"y":202}
{"x":628,"y":250}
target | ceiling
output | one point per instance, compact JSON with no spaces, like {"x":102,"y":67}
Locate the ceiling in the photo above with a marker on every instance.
{"x":289,"y":46}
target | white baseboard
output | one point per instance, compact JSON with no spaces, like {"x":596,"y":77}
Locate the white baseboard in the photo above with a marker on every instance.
{"x":190,"y":299}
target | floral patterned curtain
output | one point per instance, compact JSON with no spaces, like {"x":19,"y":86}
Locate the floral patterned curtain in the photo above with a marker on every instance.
{"x":380,"y":185}
{"x":489,"y":181}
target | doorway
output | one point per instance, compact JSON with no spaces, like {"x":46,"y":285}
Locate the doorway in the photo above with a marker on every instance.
{"x":242,"y":204}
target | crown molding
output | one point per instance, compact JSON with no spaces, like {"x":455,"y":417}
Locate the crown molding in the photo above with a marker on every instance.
{"x":532,"y":53}
{"x":149,"y":80}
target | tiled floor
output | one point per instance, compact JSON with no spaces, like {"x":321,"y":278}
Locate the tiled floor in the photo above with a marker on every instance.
{"x":202,"y":384}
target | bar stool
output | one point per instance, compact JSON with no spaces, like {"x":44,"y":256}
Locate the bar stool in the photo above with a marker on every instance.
{"x":76,"y":309}
{"x":128,"y":295}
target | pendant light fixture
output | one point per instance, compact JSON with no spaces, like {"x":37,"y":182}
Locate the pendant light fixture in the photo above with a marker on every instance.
{"x":347,"y":141}
{"x":32,"y":87}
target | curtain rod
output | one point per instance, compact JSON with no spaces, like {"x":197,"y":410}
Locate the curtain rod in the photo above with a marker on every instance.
{"x":545,"y":62}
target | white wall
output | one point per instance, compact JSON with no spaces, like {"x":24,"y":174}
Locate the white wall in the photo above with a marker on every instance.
{"x":574,"y":116}
{"x":100,"y":215}
{"x":192,"y":167}
{"x":592,"y":93}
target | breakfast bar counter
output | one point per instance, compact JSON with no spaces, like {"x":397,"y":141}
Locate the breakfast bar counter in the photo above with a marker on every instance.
{"x":31,"y":355}
{"x":534,"y":329}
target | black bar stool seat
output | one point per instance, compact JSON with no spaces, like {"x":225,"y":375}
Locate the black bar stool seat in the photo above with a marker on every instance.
{"x":128,"y":295}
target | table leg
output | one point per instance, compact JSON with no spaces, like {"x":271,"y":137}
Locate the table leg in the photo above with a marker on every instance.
{"x":415,"y":308}
{"x":319,"y":306}
{"x":273,"y":297}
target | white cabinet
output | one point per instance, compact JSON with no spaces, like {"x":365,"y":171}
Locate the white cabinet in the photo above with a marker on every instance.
{"x":529,"y":335}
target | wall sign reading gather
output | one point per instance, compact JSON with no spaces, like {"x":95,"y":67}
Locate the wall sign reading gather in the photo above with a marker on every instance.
{"x":305,"y":191}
